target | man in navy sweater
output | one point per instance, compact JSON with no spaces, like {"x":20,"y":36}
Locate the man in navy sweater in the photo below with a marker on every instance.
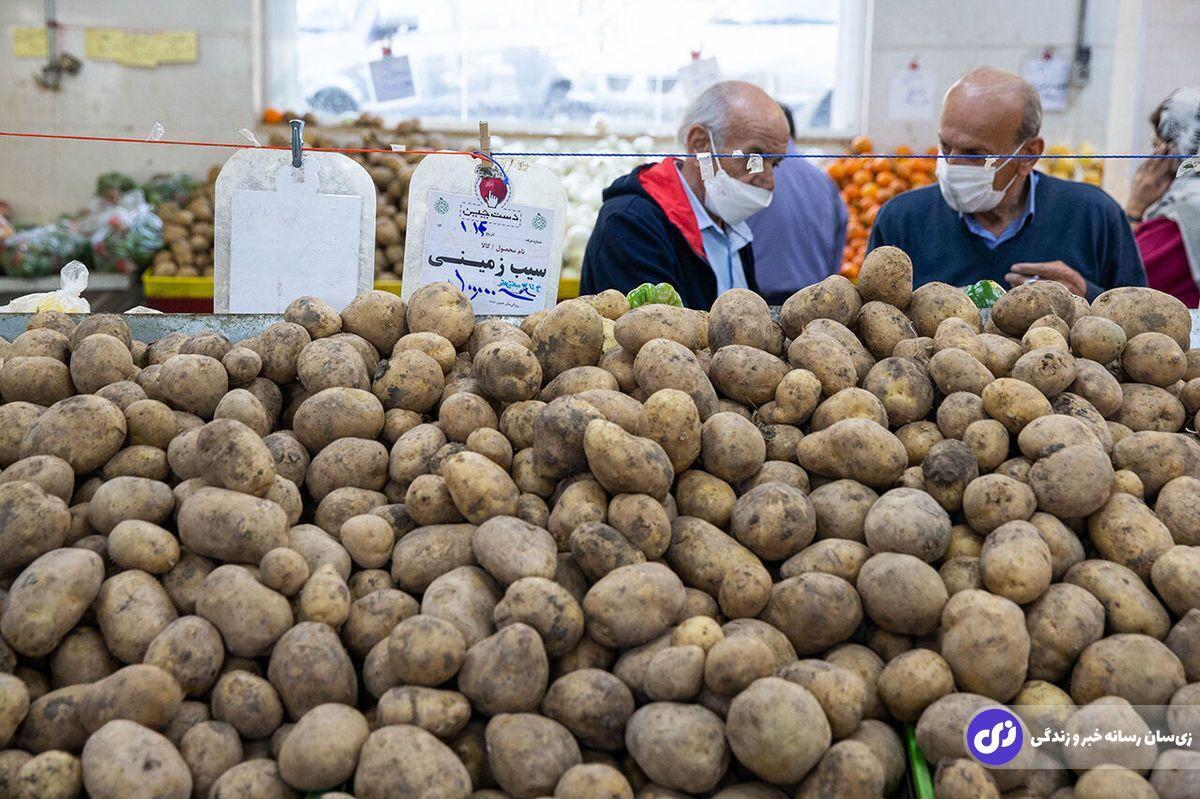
{"x":683,"y":222}
{"x":998,"y":218}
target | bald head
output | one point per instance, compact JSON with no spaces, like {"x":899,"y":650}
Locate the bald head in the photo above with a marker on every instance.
{"x":1005,"y":98}
{"x":731,"y":105}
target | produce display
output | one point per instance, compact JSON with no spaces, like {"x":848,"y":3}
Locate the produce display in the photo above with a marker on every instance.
{"x":866,"y":184}
{"x":1086,"y":170}
{"x":402,"y":551}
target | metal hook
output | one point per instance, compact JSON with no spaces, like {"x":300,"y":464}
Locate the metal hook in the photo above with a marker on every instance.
{"x":297,"y":141}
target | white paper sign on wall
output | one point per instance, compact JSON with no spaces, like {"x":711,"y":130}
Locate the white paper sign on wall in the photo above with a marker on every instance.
{"x":910,"y":95}
{"x":500,"y":243}
{"x":282,"y":232}
{"x":1051,"y":76}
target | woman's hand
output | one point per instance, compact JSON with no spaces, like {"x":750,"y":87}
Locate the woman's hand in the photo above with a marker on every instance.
{"x":1150,"y":182}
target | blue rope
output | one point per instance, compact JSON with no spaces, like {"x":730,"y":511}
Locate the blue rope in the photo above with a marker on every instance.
{"x":866,"y":156}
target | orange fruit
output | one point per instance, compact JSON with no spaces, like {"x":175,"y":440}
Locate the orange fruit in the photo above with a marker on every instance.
{"x":862,"y":177}
{"x":879,"y":164}
{"x":869,"y":216}
{"x":850,"y":193}
{"x":869,"y":190}
{"x":861,"y":144}
{"x":903,"y":149}
{"x":885,"y":178}
{"x":902,"y":168}
{"x":272,"y":116}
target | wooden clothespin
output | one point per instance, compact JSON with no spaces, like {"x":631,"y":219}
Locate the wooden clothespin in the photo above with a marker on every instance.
{"x":485,"y":140}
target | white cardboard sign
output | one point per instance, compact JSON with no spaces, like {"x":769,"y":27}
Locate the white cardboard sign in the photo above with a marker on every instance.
{"x":283,"y":233}
{"x":501,"y":244}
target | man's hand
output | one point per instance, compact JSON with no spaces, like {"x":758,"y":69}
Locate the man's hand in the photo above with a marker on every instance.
{"x":1048,"y":270}
{"x":1150,"y":182}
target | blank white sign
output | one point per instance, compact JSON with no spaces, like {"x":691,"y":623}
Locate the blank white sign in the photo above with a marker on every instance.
{"x":290,"y":243}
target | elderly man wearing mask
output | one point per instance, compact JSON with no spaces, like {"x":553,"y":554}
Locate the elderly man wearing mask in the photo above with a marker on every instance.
{"x":1164,"y":205}
{"x":683,"y":221}
{"x":998,"y":219}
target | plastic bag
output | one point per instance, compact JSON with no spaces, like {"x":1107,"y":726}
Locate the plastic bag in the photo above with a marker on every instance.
{"x":124,"y":235}
{"x":176,"y":188}
{"x":72,"y":280}
{"x":41,"y":251}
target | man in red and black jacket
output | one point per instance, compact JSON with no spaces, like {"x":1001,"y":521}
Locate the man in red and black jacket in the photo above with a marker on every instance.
{"x":683,"y":221}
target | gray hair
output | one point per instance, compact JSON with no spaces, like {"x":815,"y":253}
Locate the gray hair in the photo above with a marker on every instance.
{"x":711,"y":110}
{"x":1031,"y":113}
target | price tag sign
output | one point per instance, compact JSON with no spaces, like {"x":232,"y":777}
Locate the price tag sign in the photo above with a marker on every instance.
{"x":392,"y":79}
{"x":499,"y":242}
{"x":283,"y":232}
{"x":499,"y":256}
{"x":29,"y":43}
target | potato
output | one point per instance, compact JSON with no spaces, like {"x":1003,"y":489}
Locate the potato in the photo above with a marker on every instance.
{"x":49,"y":597}
{"x":1125,"y":531}
{"x":411,"y":381}
{"x":125,"y":759}
{"x":771,"y":714}
{"x":505,"y":672}
{"x":643,"y":521}
{"x":825,"y":358}
{"x":624,"y":464}
{"x":142,"y":693}
{"x":662,"y":363}
{"x":633,"y":604}
{"x":849,"y":403}
{"x":593,"y":779}
{"x":680,"y":747}
{"x":883,"y":327}
{"x":321,"y":751}
{"x":1015,"y":562}
{"x":1143,"y":310}
{"x":1014,"y":403}
{"x":814,"y":611}
{"x":210,"y":748}
{"x":1097,"y":339}
{"x":250,"y":616}
{"x":1098,"y":673}
{"x":841,"y":508}
{"x":193,"y":383}
{"x":1146,"y":407}
{"x":746,"y":374}
{"x":886,"y":276}
{"x":559,"y":436}
{"x":36,"y":379}
{"x":1152,"y":358}
{"x":774,"y":521}
{"x":833,"y":298}
{"x":916,"y":609}
{"x":986,"y":644}
{"x":528,"y":754}
{"x":98,"y":361}
{"x":857,"y":449}
{"x":676,"y":673}
{"x":908,"y":521}
{"x":508,"y":371}
{"x":571,"y":334}
{"x":741,"y":317}
{"x":396,"y":757}
{"x":1049,"y":369}
{"x":1017,"y":310}
{"x":132,"y":608}
{"x":933,"y":303}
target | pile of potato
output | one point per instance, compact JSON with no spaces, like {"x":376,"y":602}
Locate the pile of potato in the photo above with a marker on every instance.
{"x":400,"y":551}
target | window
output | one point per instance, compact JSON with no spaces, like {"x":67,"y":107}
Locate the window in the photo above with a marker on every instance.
{"x":563,"y":65}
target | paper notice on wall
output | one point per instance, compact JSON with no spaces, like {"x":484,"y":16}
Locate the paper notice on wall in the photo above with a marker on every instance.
{"x":910,"y":96}
{"x":29,"y":43}
{"x":392,"y":78}
{"x":1052,"y":78}
{"x":103,"y":44}
{"x":140,"y":50}
{"x":177,"y":47}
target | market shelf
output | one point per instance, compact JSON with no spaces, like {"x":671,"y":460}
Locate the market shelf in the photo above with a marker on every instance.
{"x":97,"y":281}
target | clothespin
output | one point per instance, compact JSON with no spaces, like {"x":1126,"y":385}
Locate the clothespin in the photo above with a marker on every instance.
{"x":297,"y":142}
{"x":485,"y":139}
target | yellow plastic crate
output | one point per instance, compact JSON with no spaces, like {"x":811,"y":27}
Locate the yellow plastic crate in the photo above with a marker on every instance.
{"x":177,"y":288}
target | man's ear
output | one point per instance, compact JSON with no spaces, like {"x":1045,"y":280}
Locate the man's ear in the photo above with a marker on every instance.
{"x":1035,"y":146}
{"x":697,"y":140}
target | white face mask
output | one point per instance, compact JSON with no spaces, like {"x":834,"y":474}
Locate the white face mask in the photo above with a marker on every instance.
{"x":732,"y":200}
{"x":967,"y":188}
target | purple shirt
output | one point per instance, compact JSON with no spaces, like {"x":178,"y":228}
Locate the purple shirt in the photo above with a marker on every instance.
{"x":798,"y":238}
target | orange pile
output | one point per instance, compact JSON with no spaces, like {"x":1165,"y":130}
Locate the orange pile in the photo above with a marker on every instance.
{"x":866,"y":184}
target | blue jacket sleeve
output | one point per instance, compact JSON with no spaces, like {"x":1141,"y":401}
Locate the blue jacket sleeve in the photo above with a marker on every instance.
{"x":839,"y":233}
{"x":629,"y":246}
